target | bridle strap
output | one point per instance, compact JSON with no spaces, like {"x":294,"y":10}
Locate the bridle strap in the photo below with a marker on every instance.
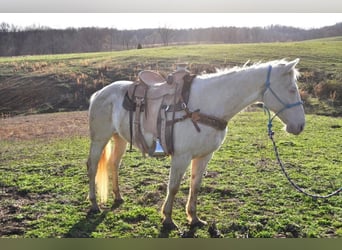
{"x":285,"y":105}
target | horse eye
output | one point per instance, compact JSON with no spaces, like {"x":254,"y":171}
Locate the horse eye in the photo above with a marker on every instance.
{"x":292,"y":91}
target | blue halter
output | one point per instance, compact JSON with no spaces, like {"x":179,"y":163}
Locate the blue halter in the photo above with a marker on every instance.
{"x":286,"y":106}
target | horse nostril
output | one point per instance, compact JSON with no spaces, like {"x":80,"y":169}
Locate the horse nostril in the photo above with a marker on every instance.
{"x":301,"y":127}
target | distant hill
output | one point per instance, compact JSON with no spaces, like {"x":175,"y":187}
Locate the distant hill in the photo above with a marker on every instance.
{"x":64,"y":82}
{"x":43,"y":40}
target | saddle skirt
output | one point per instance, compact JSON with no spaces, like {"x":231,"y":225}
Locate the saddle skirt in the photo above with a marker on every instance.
{"x":154,"y":96}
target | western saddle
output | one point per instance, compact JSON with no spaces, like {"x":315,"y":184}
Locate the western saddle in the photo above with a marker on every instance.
{"x":159,"y":99}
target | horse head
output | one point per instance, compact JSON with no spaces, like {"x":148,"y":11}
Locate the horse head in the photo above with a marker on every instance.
{"x":281,"y":95}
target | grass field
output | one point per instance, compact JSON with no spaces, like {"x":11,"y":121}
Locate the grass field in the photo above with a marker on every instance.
{"x":75,"y":76}
{"x":43,"y":183}
{"x":43,"y":180}
{"x":321,"y":54}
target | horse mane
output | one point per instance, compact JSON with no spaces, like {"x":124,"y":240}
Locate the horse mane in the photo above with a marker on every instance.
{"x":225,"y":71}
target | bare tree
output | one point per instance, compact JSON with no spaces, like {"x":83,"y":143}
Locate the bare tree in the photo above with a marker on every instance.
{"x":165,"y":34}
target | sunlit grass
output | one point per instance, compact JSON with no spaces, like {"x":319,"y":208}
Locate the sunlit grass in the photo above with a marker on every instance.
{"x":243,"y":192}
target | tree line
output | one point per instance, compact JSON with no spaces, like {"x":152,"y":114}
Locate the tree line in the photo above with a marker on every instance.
{"x":33,"y":40}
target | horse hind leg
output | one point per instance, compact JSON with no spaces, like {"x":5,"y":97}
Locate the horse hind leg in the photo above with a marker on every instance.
{"x":96,"y":148}
{"x":118,"y":152}
{"x":103,"y":158}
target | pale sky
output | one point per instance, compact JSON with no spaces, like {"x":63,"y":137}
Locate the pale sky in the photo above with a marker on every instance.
{"x":170,"y":20}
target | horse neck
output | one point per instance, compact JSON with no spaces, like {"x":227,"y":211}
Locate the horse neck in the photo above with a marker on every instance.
{"x":226,"y":95}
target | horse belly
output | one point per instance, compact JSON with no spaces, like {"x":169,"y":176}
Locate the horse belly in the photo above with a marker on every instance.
{"x":198,"y":144}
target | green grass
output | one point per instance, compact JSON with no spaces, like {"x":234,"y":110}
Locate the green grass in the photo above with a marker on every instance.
{"x":324,"y":54}
{"x":44,"y":187}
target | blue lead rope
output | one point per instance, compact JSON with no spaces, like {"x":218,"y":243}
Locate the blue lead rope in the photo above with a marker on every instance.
{"x":271,"y":133}
{"x":269,"y":124}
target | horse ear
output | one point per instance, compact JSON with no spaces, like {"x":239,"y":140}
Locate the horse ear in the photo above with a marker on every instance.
{"x":290,"y":66}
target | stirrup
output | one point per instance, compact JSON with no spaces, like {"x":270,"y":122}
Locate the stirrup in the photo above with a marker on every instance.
{"x":158,"y":151}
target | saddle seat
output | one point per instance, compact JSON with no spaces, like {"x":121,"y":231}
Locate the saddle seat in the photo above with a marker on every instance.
{"x":150,"y":77}
{"x":150,"y":95}
{"x":151,"y":86}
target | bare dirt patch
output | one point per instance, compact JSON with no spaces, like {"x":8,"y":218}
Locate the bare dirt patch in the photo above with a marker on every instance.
{"x":14,"y":219}
{"x":44,"y":126}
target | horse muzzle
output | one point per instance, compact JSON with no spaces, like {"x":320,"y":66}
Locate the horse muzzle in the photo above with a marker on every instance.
{"x":295,"y":129}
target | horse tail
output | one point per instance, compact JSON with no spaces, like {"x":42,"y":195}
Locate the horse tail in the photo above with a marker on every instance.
{"x":102,"y":174}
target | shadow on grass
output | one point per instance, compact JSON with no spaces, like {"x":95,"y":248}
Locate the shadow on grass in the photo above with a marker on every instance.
{"x":86,"y":226}
{"x":191,"y":231}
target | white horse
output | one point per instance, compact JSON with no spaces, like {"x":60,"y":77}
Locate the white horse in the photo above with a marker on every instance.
{"x":221,"y":94}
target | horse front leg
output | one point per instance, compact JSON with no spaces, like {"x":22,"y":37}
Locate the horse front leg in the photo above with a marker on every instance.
{"x":178,"y":166}
{"x":197,"y":170}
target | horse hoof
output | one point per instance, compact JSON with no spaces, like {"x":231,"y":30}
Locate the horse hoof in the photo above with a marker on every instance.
{"x":117,"y":203}
{"x":94,"y":210}
{"x":198,"y":223}
{"x":169,"y":226}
